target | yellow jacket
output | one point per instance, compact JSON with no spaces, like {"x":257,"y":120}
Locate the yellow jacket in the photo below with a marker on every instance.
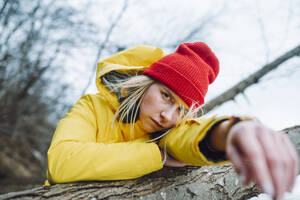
{"x":86,"y":146}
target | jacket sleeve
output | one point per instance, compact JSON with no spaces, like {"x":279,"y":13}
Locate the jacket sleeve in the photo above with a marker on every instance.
{"x":74,"y":154}
{"x":186,"y":142}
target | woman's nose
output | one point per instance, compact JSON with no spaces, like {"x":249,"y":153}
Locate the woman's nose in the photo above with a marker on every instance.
{"x":168,"y":114}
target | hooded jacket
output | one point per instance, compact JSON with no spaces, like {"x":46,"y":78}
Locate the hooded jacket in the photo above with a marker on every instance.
{"x":88,"y":146}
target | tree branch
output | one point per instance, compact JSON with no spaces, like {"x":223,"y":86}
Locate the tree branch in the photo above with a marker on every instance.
{"x":252,"y":79}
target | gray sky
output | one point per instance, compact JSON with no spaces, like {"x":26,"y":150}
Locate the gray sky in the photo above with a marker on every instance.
{"x":244,"y":34}
{"x":253,"y":38}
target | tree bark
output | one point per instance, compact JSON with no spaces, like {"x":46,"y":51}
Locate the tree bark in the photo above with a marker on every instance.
{"x":209,"y":182}
{"x":250,"y":80}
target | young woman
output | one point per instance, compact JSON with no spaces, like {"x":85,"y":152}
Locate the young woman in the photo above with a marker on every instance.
{"x":145,"y":116}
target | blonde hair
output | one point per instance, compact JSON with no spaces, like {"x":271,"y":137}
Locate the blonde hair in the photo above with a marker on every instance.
{"x":132,"y":91}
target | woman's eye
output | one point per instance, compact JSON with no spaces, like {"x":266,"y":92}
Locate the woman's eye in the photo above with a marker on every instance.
{"x":180,"y":109}
{"x":165,"y":95}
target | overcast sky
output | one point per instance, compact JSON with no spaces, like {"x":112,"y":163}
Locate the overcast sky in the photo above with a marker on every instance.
{"x":244,"y":34}
{"x":255,"y":34}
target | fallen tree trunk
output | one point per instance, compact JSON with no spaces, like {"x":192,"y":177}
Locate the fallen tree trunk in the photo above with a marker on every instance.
{"x":218,"y":182}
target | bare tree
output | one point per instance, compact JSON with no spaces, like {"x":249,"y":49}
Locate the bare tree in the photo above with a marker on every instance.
{"x":33,"y":39}
{"x":104,"y":43}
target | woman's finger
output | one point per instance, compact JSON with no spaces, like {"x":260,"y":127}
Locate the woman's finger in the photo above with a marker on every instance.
{"x":285,"y":165}
{"x":236,"y":159}
{"x":294,"y":160}
{"x":276,"y":159}
{"x":253,"y":158}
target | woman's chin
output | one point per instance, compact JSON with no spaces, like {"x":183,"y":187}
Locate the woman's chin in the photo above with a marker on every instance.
{"x":148,"y":128}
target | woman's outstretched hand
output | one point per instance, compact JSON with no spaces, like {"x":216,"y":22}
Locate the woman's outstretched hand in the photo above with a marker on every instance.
{"x":264,"y":156}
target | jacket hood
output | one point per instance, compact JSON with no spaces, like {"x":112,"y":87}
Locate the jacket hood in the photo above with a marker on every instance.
{"x":130,"y":62}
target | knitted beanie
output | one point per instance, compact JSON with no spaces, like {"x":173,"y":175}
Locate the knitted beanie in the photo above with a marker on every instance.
{"x":187,"y":72}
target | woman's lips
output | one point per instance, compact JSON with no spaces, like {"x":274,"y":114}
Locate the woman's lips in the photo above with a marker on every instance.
{"x":157,"y":124}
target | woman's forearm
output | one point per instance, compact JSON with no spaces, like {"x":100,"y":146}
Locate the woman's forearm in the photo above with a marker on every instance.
{"x":219,"y":135}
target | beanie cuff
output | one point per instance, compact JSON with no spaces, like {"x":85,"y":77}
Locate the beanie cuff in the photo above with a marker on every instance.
{"x":176,"y":82}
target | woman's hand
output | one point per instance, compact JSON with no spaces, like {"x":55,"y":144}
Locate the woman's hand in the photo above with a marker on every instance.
{"x":264,"y":156}
{"x":172,"y":162}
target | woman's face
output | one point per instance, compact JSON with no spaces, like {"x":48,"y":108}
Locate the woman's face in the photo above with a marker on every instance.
{"x":160,"y":108}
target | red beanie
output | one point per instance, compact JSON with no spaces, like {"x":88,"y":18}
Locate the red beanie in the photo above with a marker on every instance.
{"x":187,"y":72}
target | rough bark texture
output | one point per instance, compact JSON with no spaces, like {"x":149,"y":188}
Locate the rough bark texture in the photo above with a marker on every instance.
{"x":219,"y":182}
{"x":250,"y":80}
